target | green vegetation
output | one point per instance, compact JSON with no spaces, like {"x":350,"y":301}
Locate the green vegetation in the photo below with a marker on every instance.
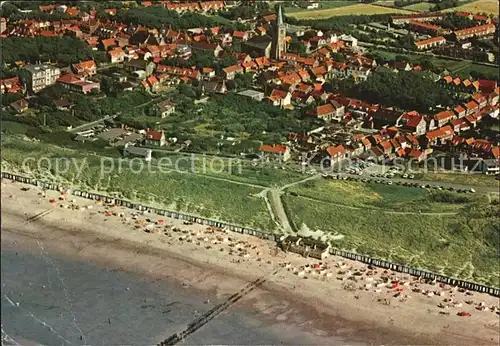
{"x":357,"y":9}
{"x":86,"y":108}
{"x":191,"y":193}
{"x":489,"y":7}
{"x":230,"y":116}
{"x":246,"y":11}
{"x":461,"y":68}
{"x":160,"y":17}
{"x":322,"y":5}
{"x":61,"y":50}
{"x":462,"y":245}
{"x":454,"y":234}
{"x":442,"y":5}
{"x":406,"y":90}
{"x":384,"y":197}
{"x":458,"y":178}
{"x":419,"y":7}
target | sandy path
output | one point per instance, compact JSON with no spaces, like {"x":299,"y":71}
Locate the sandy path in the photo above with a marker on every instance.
{"x":341,"y":300}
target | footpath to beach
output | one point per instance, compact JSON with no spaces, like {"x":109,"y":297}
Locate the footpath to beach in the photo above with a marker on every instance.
{"x":338,"y":299}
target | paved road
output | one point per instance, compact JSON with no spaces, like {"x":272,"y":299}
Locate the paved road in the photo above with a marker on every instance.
{"x":482,"y":189}
{"x":91,"y":124}
{"x":279,"y":210}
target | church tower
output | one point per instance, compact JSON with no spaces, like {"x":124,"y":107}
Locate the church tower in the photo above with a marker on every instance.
{"x":279,"y":34}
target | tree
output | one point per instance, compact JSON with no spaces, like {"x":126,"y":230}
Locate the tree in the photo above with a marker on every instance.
{"x":63,"y":50}
{"x":406,"y":90}
{"x":298,"y":47}
{"x":339,"y":57}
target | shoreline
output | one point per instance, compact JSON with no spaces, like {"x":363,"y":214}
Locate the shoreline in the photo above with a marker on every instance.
{"x":321,"y":306}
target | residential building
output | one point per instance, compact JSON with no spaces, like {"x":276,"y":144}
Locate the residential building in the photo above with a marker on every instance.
{"x":77,"y":84}
{"x":3,"y":25}
{"x":85,"y":68}
{"x":276,"y":152}
{"x":443,"y":118}
{"x":19,"y":106}
{"x":480,"y":100}
{"x":459,"y":111}
{"x":11,"y":85}
{"x":471,"y":107}
{"x":213,"y":87}
{"x":40,"y":76}
{"x":336,"y":153}
{"x":413,"y":122}
{"x":329,"y":111}
{"x":476,"y":31}
{"x":231,"y":71}
{"x":430,"y":43}
{"x":383,"y":117}
{"x":140,"y":65}
{"x":439,"y":136}
{"x":133,"y":151}
{"x":116,"y":55}
{"x":154,"y":138}
{"x":280,"y":98}
{"x":421,"y":17}
{"x":490,"y":166}
{"x":164,"y":108}
{"x":426,"y":28}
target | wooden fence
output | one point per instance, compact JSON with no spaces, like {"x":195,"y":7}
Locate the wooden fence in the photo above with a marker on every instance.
{"x":258,"y":233}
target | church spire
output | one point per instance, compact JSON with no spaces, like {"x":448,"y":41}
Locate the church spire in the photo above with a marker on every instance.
{"x":280,"y":16}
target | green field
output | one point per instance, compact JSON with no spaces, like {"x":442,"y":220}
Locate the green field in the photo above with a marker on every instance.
{"x":357,"y":9}
{"x":322,"y":5}
{"x":419,"y":7}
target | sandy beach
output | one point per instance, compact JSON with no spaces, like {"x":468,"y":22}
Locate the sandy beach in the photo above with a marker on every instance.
{"x":335,"y":301}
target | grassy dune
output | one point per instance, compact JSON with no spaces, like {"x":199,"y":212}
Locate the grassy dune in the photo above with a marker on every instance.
{"x":191,"y":193}
{"x":457,"y":178}
{"x":457,"y":235}
{"x":384,"y":197}
{"x":463,"y":245}
{"x":358,"y":9}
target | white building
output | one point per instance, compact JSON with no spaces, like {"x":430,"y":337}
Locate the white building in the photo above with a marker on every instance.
{"x":40,"y":76}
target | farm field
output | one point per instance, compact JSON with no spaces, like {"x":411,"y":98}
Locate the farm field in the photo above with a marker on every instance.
{"x":420,"y":7}
{"x":463,"y":245}
{"x":322,"y":6}
{"x":358,"y":9}
{"x":480,"y":6}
